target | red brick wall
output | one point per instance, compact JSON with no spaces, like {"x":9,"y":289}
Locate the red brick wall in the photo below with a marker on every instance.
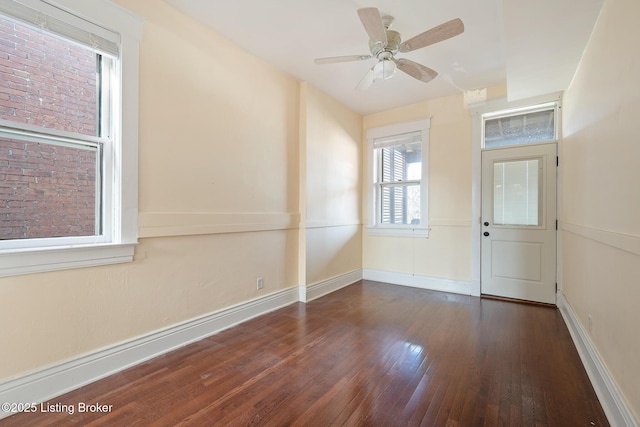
{"x":46,"y":190}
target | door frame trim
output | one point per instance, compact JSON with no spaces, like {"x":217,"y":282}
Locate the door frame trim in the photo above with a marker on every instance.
{"x":477,"y":110}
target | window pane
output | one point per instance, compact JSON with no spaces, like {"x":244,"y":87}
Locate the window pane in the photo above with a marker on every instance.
{"x":400,"y":204}
{"x":520,"y":129}
{"x":47,"y":81}
{"x":401,"y":162}
{"x":516,"y":195}
{"x":47,"y":190}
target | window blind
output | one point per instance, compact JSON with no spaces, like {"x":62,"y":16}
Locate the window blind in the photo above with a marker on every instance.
{"x":393,"y":165}
{"x":393,"y":198}
{"x":390,"y":141}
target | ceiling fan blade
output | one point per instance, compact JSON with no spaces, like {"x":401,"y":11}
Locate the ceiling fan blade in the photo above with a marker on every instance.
{"x":336,"y":59}
{"x":415,"y":70}
{"x":372,"y":22}
{"x":436,"y":34}
{"x":366,"y":81}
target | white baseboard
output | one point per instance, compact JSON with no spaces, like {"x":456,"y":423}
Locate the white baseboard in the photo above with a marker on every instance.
{"x":45,"y":384}
{"x":610,"y":398}
{"x":422,"y":282}
{"x":302,"y":293}
{"x":475,"y":289}
{"x":327,"y":286}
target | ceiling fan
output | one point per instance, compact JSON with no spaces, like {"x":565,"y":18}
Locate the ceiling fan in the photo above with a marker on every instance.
{"x":385,"y":43}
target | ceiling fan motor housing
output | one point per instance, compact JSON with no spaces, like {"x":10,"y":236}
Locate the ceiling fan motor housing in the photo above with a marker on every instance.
{"x":392,"y":46}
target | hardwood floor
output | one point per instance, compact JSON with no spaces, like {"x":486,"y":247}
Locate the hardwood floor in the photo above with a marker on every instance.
{"x":370,"y":354}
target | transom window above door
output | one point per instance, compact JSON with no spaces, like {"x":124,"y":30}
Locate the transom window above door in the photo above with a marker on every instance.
{"x":528,"y":125}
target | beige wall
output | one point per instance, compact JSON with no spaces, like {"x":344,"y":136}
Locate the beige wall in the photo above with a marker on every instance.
{"x":600,"y":210}
{"x":446,"y":254}
{"x":333,"y":174}
{"x":218,"y":135}
{"x":218,"y":127}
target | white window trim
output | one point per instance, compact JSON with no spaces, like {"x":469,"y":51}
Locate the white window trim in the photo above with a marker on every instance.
{"x":125,"y":172}
{"x":397,"y":230}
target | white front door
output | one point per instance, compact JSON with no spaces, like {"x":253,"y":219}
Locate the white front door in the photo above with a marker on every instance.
{"x":518,"y":258}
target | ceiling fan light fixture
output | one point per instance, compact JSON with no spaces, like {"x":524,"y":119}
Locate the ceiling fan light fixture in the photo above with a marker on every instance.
{"x":385,"y":69}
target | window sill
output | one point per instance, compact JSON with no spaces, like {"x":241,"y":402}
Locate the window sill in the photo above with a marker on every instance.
{"x":398,"y":232}
{"x":39,"y":260}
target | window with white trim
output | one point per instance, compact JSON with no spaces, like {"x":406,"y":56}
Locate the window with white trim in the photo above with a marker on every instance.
{"x":398,"y":197}
{"x":68,"y":139}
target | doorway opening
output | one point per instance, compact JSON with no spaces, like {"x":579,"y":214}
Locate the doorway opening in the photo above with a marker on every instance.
{"x":515,"y":200}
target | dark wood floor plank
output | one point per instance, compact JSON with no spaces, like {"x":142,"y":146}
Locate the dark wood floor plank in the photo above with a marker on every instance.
{"x":370,"y":354}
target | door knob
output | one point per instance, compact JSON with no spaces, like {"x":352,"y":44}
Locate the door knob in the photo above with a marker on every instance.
{"x":486,"y":224}
{"x":486,"y":233}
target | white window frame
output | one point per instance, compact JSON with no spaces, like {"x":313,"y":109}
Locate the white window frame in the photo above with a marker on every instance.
{"x":374,"y":227}
{"x":121,"y":225}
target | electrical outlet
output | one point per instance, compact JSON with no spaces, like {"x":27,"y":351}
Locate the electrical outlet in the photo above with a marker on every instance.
{"x":260,"y":283}
{"x":589,"y":322}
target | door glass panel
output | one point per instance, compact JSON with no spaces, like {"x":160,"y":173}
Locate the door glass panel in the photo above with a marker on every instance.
{"x":516,"y":192}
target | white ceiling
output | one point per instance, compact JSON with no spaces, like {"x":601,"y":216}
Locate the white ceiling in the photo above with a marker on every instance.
{"x":534,"y":45}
